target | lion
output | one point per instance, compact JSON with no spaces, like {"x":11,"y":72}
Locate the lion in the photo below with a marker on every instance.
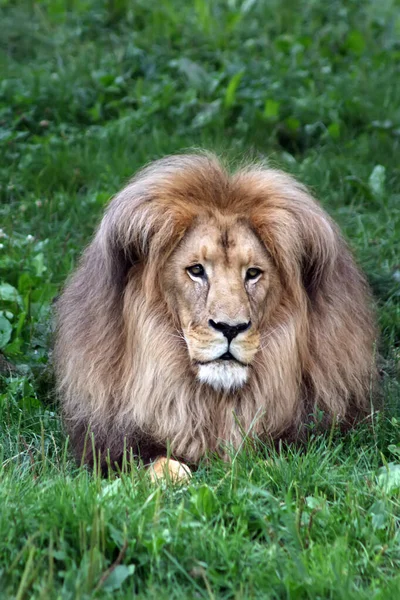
{"x":211,"y":306}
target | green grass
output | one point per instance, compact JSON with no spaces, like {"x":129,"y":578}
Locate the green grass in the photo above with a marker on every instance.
{"x":89,"y":91}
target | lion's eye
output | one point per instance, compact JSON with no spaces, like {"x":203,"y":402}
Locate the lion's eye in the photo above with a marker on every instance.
{"x":196,"y":271}
{"x":253,"y":273}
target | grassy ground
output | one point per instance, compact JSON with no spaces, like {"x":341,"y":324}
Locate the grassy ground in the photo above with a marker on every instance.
{"x":89,"y":91}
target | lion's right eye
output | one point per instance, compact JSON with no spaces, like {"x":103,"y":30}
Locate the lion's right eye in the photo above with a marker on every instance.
{"x":253,"y":273}
{"x":196,"y":271}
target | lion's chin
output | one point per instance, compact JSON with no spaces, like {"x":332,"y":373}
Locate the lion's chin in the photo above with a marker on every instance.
{"x":223,"y":375}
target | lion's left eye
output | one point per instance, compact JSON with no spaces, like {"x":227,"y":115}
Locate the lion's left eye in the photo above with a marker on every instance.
{"x":196,"y":270}
{"x":253,"y":273}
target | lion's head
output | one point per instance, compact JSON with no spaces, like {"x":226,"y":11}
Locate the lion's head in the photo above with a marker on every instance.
{"x":209,"y":304}
{"x":217,"y":281}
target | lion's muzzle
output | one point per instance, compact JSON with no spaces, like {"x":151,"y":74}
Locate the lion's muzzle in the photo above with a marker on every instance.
{"x":221,"y":353}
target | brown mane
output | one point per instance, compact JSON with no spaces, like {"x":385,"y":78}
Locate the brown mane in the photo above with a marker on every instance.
{"x":121,"y":365}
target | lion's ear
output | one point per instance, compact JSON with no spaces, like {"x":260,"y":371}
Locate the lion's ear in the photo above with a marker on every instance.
{"x":125,"y":233}
{"x":113,"y":253}
{"x":117,"y":261}
{"x":303,"y":242}
{"x":320,"y":244}
{"x":136,"y":230}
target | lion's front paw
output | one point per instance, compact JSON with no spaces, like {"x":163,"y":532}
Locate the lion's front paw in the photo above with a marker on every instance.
{"x":172,"y":470}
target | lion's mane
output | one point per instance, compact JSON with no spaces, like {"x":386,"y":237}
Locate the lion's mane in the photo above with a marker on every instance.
{"x":122,"y":366}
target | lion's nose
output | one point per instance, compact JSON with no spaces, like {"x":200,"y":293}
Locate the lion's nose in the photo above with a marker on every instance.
{"x":229,"y":331}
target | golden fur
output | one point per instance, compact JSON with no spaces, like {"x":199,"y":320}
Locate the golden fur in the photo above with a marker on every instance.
{"x":136,"y":351}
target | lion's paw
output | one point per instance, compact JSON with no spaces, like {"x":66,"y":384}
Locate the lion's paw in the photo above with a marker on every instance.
{"x":171,"y":470}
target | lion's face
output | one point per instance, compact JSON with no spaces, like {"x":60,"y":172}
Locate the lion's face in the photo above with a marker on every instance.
{"x":220,"y":280}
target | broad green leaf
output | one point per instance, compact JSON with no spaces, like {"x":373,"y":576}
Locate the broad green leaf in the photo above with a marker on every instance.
{"x":355,"y":42}
{"x":379,"y":515}
{"x":230,"y":93}
{"x":334,"y":130}
{"x":8,"y":293}
{"x":271,"y":109}
{"x":376,"y":181}
{"x":117,"y":577}
{"x":205,"y":116}
{"x":38,"y":263}
{"x":5,"y":331}
{"x":314,"y":503}
{"x":197,"y":76}
{"x":292,"y":124}
{"x":25,"y":283}
{"x":394,"y":449}
{"x":247,"y":6}
{"x":205,"y":501}
{"x":389,"y":477}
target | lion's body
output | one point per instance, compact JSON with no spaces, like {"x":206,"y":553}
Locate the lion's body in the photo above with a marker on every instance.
{"x":134,"y":353}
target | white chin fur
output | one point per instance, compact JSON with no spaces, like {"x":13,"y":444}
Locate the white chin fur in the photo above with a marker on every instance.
{"x":222,"y":375}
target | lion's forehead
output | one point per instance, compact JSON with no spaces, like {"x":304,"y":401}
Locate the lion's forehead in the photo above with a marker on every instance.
{"x":228,"y":242}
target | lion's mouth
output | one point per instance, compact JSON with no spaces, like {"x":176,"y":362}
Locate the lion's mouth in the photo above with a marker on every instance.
{"x":227,"y":356}
{"x":224,"y":372}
